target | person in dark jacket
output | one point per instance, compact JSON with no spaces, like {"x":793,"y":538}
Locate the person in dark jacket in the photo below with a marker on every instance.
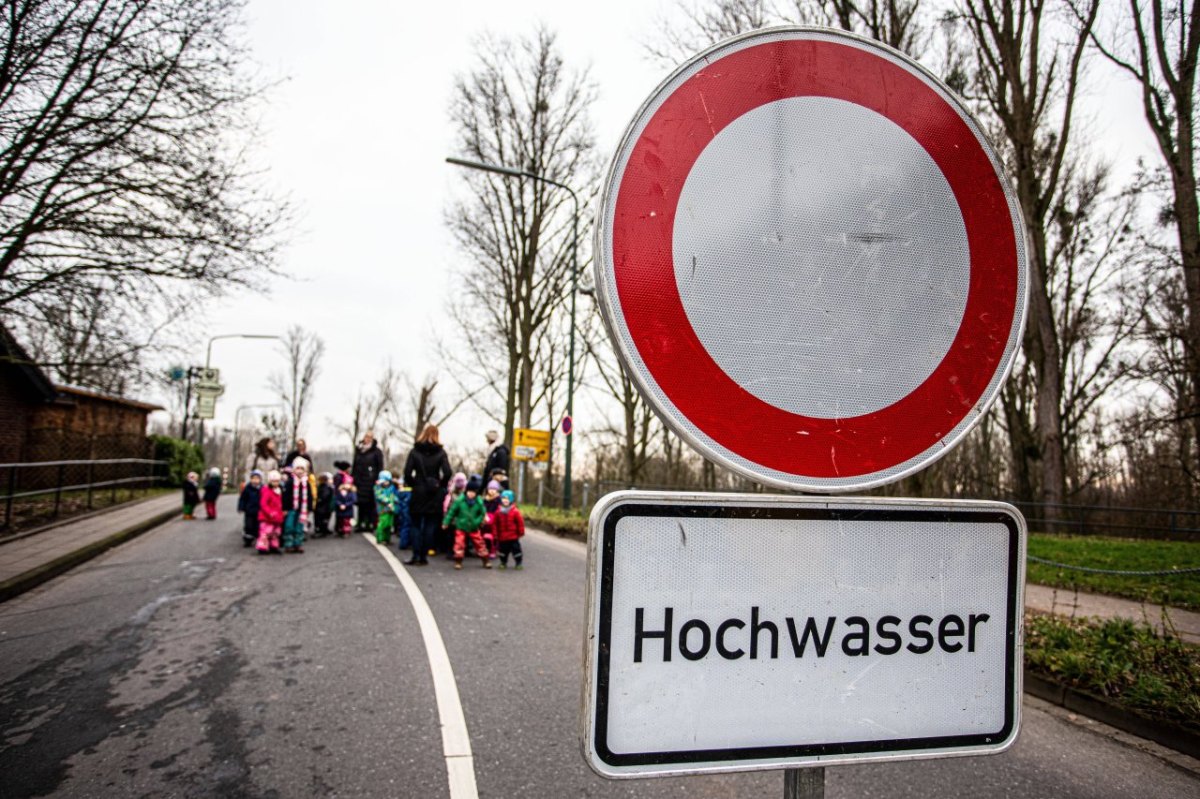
{"x":191,"y":495}
{"x":212,"y":492}
{"x":496,"y":467}
{"x":426,"y":472}
{"x":368,"y":463}
{"x":301,"y":451}
{"x":248,"y":505}
{"x":324,"y":506}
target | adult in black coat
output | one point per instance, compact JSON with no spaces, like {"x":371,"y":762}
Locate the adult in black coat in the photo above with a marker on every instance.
{"x":426,"y":472}
{"x":496,"y":467}
{"x":301,"y":451}
{"x":368,"y":463}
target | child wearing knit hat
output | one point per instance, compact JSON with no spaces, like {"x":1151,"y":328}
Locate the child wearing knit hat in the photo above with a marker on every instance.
{"x":491,"y":501}
{"x":465,"y":517}
{"x":510,"y":528}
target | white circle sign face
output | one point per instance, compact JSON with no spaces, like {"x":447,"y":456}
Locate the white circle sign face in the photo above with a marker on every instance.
{"x":810,"y":261}
{"x":838,"y":289}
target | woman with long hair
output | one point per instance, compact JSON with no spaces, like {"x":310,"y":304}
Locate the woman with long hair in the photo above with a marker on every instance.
{"x":264,"y":457}
{"x":426,"y":472}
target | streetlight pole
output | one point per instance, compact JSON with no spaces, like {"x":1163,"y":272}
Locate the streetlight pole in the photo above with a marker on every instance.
{"x":521,"y":173}
{"x":237,"y":427}
{"x":208,"y":365}
{"x":208,"y":354}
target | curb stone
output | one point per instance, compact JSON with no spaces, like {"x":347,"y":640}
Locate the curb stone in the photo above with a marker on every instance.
{"x":1171,"y":735}
{"x":15,"y":586}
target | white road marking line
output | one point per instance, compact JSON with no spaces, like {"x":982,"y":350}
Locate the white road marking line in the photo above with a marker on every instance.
{"x":456,"y":743}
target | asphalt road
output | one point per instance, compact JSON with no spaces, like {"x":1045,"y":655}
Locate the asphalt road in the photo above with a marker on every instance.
{"x":182,"y":665}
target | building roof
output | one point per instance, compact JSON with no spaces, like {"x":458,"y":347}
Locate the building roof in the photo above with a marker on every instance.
{"x":77,"y":391}
{"x":18,"y":366}
{"x":15,"y":364}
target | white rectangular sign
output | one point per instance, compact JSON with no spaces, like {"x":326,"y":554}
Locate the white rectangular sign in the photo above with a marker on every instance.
{"x":206,"y":406}
{"x":736,"y":632}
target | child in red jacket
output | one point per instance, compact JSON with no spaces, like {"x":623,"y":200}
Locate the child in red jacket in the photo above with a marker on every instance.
{"x":270,"y":515}
{"x":510,"y":527}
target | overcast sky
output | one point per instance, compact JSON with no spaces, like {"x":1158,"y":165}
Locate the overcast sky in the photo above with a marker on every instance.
{"x":356,"y":135}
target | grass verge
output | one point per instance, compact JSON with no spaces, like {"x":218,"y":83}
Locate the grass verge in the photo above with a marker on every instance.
{"x":1181,"y":591}
{"x":1125,"y":662}
{"x":556,"y":520}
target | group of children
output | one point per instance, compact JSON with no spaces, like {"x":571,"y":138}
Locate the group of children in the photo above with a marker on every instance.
{"x":191,"y":494}
{"x":492,"y":522}
{"x":276,"y":509}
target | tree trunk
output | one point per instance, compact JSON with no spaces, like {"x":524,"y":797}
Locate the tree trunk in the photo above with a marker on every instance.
{"x":1187,"y":213}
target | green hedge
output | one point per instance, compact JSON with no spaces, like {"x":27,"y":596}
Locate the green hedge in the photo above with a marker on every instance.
{"x":181,"y":457}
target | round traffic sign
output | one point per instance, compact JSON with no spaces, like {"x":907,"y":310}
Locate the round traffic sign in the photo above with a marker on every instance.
{"x":567,"y":425}
{"x":810,"y":260}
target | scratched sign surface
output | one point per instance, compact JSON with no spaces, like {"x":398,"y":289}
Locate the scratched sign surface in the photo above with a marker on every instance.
{"x":733,"y":632}
{"x":809,"y":260}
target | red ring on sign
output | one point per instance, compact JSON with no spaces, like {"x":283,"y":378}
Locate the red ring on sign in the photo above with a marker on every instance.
{"x":643,"y":262}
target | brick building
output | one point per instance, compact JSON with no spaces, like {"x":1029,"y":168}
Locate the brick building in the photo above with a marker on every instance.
{"x":43,"y":421}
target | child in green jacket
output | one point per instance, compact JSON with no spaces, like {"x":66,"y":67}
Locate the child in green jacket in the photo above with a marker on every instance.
{"x":386,"y":500}
{"x":465,"y":517}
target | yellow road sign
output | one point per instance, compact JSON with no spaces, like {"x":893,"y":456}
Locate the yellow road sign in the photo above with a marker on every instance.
{"x":531,"y":445}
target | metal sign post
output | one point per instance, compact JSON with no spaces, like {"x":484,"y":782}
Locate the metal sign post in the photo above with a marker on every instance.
{"x":804,"y":783}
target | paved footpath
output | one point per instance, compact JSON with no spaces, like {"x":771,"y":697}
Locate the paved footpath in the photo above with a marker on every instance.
{"x":23,"y":556}
{"x":1064,"y":602}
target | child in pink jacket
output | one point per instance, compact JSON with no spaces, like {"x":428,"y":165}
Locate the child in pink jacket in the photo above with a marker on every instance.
{"x":270,"y":515}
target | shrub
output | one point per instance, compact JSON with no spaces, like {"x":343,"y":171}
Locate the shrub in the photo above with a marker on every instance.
{"x":181,"y":457}
{"x":1127,"y":662}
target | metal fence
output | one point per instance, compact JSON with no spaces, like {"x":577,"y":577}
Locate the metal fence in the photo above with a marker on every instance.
{"x":79,"y":480}
{"x":1176,"y":524}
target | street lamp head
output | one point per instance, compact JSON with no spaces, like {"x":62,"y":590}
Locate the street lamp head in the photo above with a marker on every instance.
{"x":497,"y":168}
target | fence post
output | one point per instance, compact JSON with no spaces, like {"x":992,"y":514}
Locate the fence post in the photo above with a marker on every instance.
{"x":541,"y":492}
{"x":58,"y":490}
{"x":1173,"y":528}
{"x":12,"y":489}
{"x":90,"y":480}
{"x":585,"y":496}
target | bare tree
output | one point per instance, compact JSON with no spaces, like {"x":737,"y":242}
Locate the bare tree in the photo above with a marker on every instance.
{"x":1028,"y":79}
{"x":120,"y":123}
{"x":1096,"y":258}
{"x":709,"y":23}
{"x":88,"y":334}
{"x":898,"y":23}
{"x":1163,"y":58}
{"x":124,"y":187}
{"x":634,"y":434}
{"x":520,"y":107}
{"x":302,"y":350}
{"x":371,"y":405}
{"x":408,"y":420}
